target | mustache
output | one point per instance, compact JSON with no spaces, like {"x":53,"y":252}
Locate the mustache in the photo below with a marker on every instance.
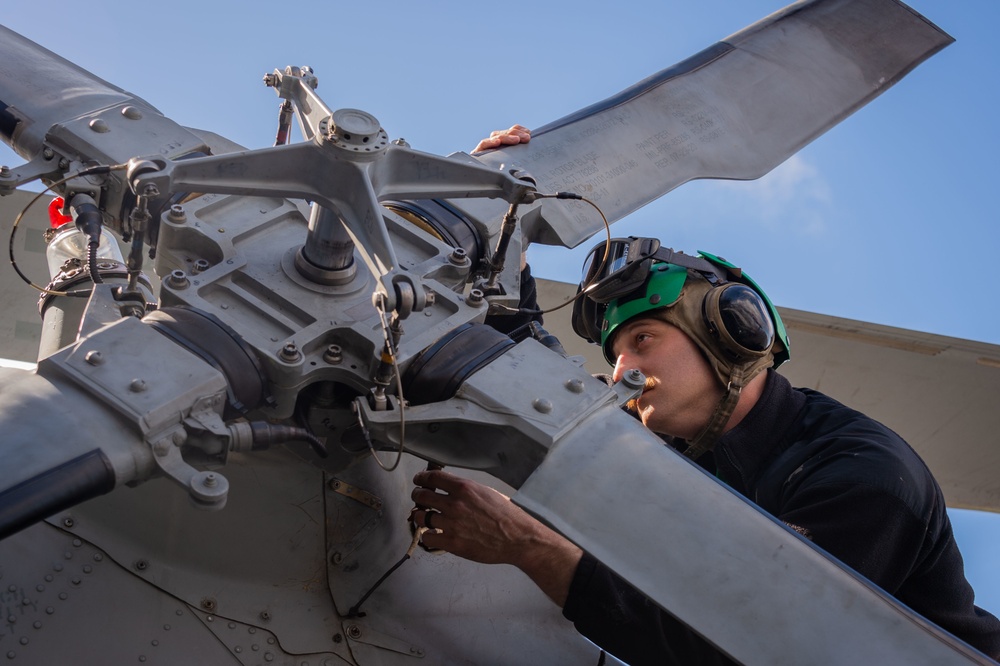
{"x":633,"y":404}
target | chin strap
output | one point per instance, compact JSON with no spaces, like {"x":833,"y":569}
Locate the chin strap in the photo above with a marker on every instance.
{"x":706,"y":439}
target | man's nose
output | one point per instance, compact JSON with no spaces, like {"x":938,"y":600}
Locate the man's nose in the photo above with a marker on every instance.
{"x":622,"y":365}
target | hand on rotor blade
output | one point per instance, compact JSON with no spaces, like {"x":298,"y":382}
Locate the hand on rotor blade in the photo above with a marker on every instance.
{"x":508,"y":137}
{"x":480,"y":524}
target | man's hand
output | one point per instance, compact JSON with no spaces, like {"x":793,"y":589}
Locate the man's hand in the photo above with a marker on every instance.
{"x":480,"y":524}
{"x":508,"y":137}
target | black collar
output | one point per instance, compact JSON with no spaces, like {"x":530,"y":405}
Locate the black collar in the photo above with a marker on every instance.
{"x":741,"y":453}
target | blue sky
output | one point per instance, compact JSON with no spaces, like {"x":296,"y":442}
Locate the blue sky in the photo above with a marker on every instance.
{"x":888,"y":218}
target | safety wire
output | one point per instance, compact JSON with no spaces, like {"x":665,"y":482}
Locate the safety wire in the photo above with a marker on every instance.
{"x":380,"y":306}
{"x":89,"y":171}
{"x":604,"y":258}
{"x":418,"y":532}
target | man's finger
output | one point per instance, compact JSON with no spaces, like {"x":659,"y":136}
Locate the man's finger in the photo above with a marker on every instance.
{"x":436,"y":479}
{"x":428,"y":499}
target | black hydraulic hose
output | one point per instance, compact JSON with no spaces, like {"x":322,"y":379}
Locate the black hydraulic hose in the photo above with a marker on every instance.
{"x":89,"y":221}
{"x":95,"y":275}
{"x":59,"y":488}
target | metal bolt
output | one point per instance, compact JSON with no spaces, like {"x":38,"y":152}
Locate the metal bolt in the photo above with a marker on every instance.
{"x":200,"y":266}
{"x":132,"y":113}
{"x":48,"y":153}
{"x":141,"y":565}
{"x":475,"y":297}
{"x":99,"y":126}
{"x":265,"y":615}
{"x":354,"y":631}
{"x":177,"y":279}
{"x":4,"y":171}
{"x":208,"y":604}
{"x":333,"y":354}
{"x":210,"y":480}
{"x":93,"y":357}
{"x":337,"y":638}
{"x":458,"y":257}
{"x":336,"y":558}
{"x":634,"y":378}
{"x":68,"y":522}
{"x":290,"y":352}
{"x":574,"y":385}
{"x":137,"y":385}
{"x":541,"y":405}
{"x":177,"y":213}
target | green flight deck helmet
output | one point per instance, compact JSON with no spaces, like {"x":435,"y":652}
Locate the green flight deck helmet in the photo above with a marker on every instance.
{"x":712,"y":301}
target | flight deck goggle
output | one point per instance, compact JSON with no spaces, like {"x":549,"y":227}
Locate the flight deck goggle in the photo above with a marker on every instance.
{"x":616,"y":275}
{"x":616,"y":268}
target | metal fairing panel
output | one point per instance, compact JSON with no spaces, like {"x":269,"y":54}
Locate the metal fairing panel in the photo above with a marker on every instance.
{"x":67,"y":601}
{"x":250,"y":584}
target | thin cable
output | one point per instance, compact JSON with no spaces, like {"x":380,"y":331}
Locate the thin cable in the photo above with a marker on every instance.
{"x":89,"y":171}
{"x":600,"y":269}
{"x":399,"y":389}
{"x":354,"y":611}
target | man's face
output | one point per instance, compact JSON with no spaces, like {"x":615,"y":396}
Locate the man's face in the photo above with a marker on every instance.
{"x":681,"y":390}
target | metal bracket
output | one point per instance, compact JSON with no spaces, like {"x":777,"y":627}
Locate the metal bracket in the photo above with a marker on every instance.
{"x":630,"y":387}
{"x":208,"y":490}
{"x":355,"y":493}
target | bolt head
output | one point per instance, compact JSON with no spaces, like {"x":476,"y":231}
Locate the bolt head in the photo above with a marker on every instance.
{"x":541,"y":405}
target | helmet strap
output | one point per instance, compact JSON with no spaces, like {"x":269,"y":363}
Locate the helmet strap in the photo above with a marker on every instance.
{"x":709,"y":435}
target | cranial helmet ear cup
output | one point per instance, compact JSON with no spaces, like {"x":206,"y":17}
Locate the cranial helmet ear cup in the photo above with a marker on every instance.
{"x":586,"y":314}
{"x":738,"y":318}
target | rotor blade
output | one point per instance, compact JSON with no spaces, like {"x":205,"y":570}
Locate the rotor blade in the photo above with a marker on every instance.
{"x":611,"y":482}
{"x":39,"y":89}
{"x":939,"y":393}
{"x":734,"y":111}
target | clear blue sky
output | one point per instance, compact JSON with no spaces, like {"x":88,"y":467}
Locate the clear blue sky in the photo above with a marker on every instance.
{"x":889,"y":218}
